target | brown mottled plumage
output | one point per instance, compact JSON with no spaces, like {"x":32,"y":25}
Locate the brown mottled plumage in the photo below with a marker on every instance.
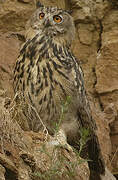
{"x":46,"y":72}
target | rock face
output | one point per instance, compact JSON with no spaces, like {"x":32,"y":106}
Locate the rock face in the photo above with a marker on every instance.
{"x":95,"y":45}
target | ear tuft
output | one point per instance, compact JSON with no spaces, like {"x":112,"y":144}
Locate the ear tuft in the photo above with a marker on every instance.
{"x":69,"y":11}
{"x":38,"y":4}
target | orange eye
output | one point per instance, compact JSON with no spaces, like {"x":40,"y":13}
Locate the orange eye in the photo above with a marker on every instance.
{"x":57,"y":18}
{"x":41,"y":15}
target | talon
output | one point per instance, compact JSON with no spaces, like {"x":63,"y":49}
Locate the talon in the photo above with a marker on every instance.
{"x":60,"y":140}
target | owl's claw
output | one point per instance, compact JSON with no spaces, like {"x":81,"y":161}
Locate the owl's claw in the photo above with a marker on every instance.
{"x":59,"y":140}
{"x":57,"y":143}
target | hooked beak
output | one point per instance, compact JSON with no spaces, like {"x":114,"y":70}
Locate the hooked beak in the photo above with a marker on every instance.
{"x":47,"y":23}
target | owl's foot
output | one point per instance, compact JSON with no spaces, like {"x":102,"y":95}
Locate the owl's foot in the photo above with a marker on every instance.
{"x":60,"y":140}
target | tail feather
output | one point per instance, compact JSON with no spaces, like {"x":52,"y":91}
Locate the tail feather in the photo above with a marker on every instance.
{"x":96,"y":163}
{"x":94,"y":176}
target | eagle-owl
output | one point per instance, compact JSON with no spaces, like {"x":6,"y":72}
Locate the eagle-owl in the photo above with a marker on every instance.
{"x":47,"y":73}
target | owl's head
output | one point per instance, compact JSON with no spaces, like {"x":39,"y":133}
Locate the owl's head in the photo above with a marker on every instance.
{"x":53,"y":22}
